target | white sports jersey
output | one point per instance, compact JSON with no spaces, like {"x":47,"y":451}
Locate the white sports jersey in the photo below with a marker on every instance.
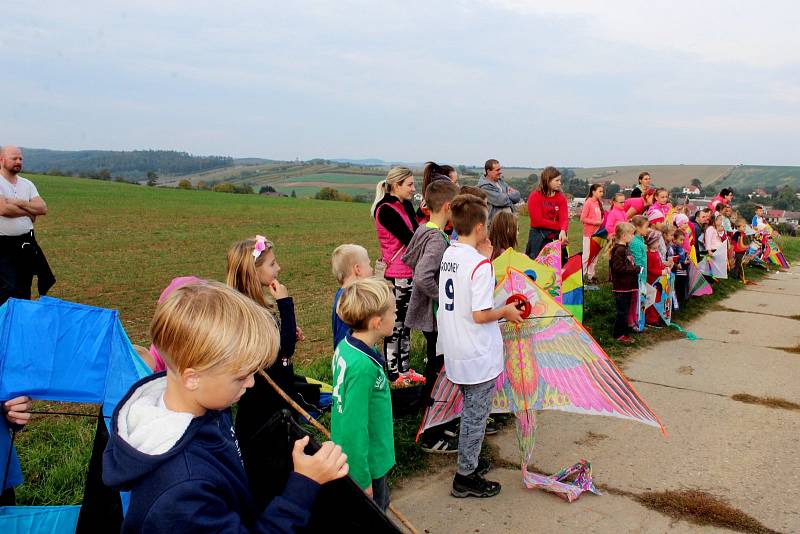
{"x":473,"y":353}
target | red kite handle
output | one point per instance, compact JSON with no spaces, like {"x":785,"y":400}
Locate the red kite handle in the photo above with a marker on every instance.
{"x":521,"y":303}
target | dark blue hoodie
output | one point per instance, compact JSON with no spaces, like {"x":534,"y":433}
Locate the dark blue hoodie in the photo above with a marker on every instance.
{"x":192,"y":478}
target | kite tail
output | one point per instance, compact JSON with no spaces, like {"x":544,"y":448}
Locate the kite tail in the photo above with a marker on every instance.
{"x":558,"y":483}
{"x":526,"y":436}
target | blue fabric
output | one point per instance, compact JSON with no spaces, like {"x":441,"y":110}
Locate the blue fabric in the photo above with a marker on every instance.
{"x":39,"y":519}
{"x":199,"y":485}
{"x":340,"y":330}
{"x":56,"y":350}
{"x":61,"y":351}
{"x":14,"y":477}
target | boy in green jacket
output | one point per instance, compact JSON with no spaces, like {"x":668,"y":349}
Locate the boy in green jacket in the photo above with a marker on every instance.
{"x":361,"y":416}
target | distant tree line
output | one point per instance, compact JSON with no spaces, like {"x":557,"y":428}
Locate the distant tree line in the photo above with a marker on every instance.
{"x":329,"y":193}
{"x":134,"y":165}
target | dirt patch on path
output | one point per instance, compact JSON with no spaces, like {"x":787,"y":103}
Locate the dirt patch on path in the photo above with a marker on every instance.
{"x":769,"y":402}
{"x":701,"y":508}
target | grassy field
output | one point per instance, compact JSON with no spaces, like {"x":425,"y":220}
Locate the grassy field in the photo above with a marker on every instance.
{"x":117,"y":245}
{"x":748,"y":177}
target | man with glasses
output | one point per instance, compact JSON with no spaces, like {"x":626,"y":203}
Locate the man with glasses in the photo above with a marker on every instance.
{"x":501,"y":197}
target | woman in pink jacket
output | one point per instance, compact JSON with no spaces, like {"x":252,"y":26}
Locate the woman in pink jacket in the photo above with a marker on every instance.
{"x":395,"y":222}
{"x":592,"y":219}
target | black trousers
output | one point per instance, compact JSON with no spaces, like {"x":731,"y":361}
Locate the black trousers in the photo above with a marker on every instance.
{"x":682,"y":289}
{"x":622,"y":300}
{"x":21,"y":259}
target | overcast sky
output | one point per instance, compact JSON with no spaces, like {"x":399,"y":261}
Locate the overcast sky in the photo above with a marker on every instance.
{"x":578,"y":83}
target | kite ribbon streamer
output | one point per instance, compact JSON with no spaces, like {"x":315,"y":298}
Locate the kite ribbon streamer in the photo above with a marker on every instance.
{"x":558,"y":484}
{"x":689,"y":335}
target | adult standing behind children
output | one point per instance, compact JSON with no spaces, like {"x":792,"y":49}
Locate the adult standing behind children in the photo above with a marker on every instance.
{"x":396,"y":223}
{"x":643,"y":185}
{"x":547,"y":208}
{"x":592,"y":216}
{"x":499,"y":195}
{"x":20,"y":255}
{"x":470,"y":338}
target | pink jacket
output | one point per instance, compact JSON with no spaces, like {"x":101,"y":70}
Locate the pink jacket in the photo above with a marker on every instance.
{"x":712,"y":239}
{"x":591,"y":217}
{"x":391,"y":247}
{"x":636,"y":203}
{"x":615,"y":216}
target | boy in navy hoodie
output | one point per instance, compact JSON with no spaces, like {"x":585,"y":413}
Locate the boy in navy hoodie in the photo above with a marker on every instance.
{"x":172,"y":443}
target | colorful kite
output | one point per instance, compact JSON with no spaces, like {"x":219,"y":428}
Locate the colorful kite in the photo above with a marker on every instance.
{"x":597,"y":243}
{"x":773,"y":254}
{"x":698,"y":286}
{"x":551,"y":363}
{"x":664,"y":307}
{"x":715,"y":264}
{"x":645,"y":293}
{"x":550,"y":255}
{"x":572,"y":286}
{"x":545,"y":277}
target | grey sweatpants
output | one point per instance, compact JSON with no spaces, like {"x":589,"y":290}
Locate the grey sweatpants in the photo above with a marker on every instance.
{"x":477,"y":406}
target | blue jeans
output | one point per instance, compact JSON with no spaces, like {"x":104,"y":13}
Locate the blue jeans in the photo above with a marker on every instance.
{"x":380,"y":492}
{"x":477,"y":406}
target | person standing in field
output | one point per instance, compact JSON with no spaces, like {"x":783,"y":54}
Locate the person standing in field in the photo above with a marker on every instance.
{"x":547,"y":208}
{"x":642,"y":186}
{"x":500,"y":196}
{"x":395,"y":223}
{"x":592,"y":218}
{"x":20,"y":255}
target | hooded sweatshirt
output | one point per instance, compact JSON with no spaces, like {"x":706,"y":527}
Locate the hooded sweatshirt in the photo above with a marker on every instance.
{"x":185,"y":473}
{"x":424,"y":256}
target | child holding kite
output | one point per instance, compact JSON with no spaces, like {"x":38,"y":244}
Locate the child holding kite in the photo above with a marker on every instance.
{"x":656,"y":268}
{"x":639,"y":251}
{"x":624,"y":279}
{"x":424,"y":256}
{"x":680,"y":266}
{"x":172,"y":443}
{"x":740,"y":246}
{"x":361,"y":416}
{"x":349,"y":263}
{"x":470,"y":337}
{"x":592,"y":218}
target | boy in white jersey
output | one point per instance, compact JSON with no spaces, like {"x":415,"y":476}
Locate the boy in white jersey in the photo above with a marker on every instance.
{"x":469,"y":337}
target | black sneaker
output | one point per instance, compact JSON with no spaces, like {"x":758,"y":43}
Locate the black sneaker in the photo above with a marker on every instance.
{"x":441,"y":444}
{"x":491,"y":427}
{"x":473,"y":485}
{"x":483,"y":467}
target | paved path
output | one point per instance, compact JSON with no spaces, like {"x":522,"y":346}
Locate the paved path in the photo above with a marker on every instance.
{"x":748,"y":454}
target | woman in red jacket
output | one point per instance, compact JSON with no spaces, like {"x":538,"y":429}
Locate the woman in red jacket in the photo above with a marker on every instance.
{"x":547,"y":207}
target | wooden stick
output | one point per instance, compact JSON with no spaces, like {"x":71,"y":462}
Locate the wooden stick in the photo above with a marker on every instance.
{"x":316,"y":424}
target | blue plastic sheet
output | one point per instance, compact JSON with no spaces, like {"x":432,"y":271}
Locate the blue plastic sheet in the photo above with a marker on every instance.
{"x":62,"y":351}
{"x":56,"y":350}
{"x":38,"y":519}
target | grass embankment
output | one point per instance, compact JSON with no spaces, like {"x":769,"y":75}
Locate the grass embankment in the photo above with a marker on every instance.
{"x":118,"y":245}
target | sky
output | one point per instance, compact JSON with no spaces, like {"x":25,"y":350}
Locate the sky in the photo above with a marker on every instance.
{"x":575,"y":83}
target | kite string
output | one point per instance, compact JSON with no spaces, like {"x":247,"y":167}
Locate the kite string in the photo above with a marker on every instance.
{"x":316,"y":424}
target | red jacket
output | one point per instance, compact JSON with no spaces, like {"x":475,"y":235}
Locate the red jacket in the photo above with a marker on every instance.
{"x":655,"y":267}
{"x":548,"y":212}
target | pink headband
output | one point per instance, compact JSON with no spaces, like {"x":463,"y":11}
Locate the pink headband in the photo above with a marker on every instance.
{"x":260,"y":246}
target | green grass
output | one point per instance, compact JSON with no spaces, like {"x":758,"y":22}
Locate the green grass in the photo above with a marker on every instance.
{"x":118,"y":245}
{"x":333,"y":177}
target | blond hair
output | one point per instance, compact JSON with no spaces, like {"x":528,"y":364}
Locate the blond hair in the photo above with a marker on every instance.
{"x":622,"y":229}
{"x":395,"y":176}
{"x":362,"y":300}
{"x":205,"y":326}
{"x":344,"y":258}
{"x":241,"y":273}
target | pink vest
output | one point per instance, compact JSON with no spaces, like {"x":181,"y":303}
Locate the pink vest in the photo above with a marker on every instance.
{"x":614,"y":217}
{"x":391,"y":246}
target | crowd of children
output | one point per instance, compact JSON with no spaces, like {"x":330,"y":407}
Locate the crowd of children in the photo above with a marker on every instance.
{"x":212,"y":340}
{"x":653,"y":238}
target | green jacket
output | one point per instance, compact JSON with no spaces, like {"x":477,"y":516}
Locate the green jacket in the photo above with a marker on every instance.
{"x":639,"y":251}
{"x":361,"y":415}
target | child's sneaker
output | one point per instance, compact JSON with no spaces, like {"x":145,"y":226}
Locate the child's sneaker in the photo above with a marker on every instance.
{"x":483,"y":466}
{"x":473,"y":485}
{"x":625,"y":340}
{"x":491,"y":427}
{"x":440,"y":445}
{"x":414,"y":377}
